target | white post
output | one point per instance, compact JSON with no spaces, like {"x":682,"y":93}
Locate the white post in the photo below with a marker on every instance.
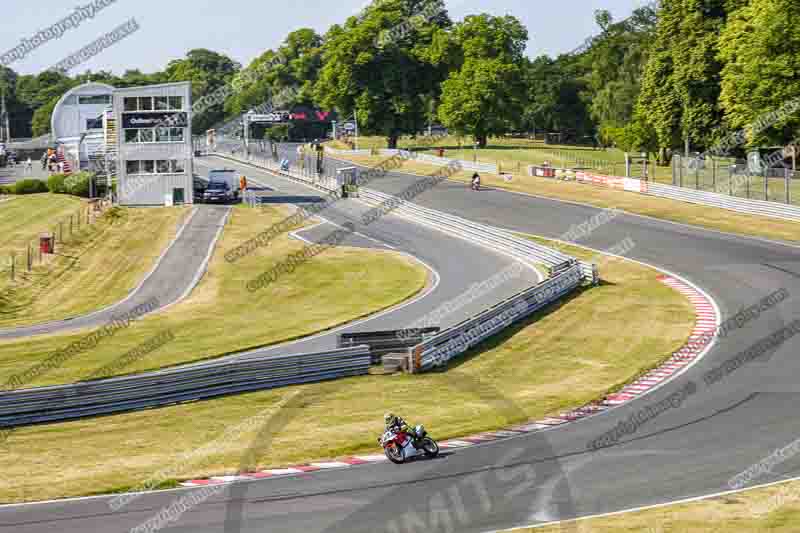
{"x":246,"y":134}
{"x":355,"y":116}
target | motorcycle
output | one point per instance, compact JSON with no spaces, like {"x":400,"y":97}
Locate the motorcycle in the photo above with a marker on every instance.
{"x":476,"y":185}
{"x":401,"y":446}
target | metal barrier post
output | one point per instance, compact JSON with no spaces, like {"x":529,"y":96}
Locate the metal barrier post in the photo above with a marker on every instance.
{"x":766,"y":183}
{"x":730,"y":181}
{"x":714,"y":174}
{"x":674,"y":175}
{"x":788,"y":184}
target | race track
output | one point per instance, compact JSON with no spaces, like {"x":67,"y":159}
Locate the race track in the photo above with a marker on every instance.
{"x":687,"y":451}
{"x":174,"y":275}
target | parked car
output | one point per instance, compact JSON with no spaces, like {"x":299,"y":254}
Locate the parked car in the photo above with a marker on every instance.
{"x":223,"y":187}
{"x":219,"y":192}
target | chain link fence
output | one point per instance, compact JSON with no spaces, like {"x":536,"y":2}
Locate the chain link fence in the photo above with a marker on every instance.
{"x":712,"y":174}
{"x":725,"y":176}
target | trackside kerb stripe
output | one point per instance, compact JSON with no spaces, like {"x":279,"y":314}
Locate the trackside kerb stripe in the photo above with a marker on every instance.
{"x":654,"y":378}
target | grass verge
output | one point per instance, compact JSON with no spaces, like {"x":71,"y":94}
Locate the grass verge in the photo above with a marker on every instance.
{"x":22,"y":218}
{"x":663,"y":208}
{"x":556,"y":360}
{"x":221,"y":316}
{"x":98,"y":266}
{"x":775,"y":509}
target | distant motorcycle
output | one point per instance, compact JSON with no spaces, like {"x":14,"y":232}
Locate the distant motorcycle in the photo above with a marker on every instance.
{"x":401,"y":446}
{"x":476,"y":184}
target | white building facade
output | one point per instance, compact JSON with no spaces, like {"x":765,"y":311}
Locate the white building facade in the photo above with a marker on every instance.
{"x":154,"y":144}
{"x":140,"y":138}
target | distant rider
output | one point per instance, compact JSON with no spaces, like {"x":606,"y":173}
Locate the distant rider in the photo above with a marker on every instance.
{"x":476,"y":181}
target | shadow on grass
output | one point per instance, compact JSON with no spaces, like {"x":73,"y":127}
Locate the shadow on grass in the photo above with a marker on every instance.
{"x":498,"y":339}
{"x":9,"y":302}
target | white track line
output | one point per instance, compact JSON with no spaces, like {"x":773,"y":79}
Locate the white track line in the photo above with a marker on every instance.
{"x":647,"y":507}
{"x":130,"y":295}
{"x":201,"y":271}
{"x":430,"y":289}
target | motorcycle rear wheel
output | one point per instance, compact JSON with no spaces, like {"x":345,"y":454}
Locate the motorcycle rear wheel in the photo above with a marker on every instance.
{"x":394,"y":454}
{"x":430,"y":447}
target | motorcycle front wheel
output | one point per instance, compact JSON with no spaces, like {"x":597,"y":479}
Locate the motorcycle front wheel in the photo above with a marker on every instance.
{"x":430,"y":447}
{"x":394,"y":454}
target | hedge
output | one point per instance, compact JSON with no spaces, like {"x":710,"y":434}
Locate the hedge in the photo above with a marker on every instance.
{"x":30,"y":186}
{"x":76,"y":184}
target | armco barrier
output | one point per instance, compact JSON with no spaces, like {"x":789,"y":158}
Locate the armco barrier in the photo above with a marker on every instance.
{"x":245,"y":372}
{"x":711,"y":199}
{"x":504,"y":241}
{"x":384,"y":342}
{"x":741,"y":205}
{"x":566,"y":274}
{"x":460,"y":338}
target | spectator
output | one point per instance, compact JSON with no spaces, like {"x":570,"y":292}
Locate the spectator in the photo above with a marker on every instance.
{"x":28,"y":167}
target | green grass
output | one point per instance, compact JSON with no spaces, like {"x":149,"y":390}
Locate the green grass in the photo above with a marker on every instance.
{"x":221,"y":316}
{"x":514,"y":155}
{"x":775,"y":509}
{"x":663,"y":208}
{"x":97,"y":266}
{"x":560,"y":359}
{"x":23,"y":218}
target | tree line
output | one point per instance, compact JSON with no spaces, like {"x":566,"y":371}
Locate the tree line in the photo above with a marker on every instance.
{"x":672,"y":72}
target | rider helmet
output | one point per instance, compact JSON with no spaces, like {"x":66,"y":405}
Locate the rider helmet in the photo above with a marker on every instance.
{"x":388,"y":418}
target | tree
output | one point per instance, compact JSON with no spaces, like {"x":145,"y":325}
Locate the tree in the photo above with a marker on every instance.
{"x":761,"y":50}
{"x":381,"y":79}
{"x":281,"y":78}
{"x":36,"y":91}
{"x":39,"y":94}
{"x":636,"y":136}
{"x":681,"y":82}
{"x":19,"y":114}
{"x":614,"y":64}
{"x":40,"y":123}
{"x":554,"y":100}
{"x":485,"y":95}
{"x":208,"y":71}
{"x":277,"y":133}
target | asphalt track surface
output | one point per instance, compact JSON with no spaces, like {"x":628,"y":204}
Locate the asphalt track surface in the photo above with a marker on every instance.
{"x":688,"y":451}
{"x":454,"y":264}
{"x":177,"y":272}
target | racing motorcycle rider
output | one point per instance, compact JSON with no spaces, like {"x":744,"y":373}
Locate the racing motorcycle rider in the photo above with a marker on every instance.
{"x":396,"y":424}
{"x":476,"y":181}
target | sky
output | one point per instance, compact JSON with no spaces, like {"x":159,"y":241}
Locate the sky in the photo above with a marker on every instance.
{"x":243,"y":29}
